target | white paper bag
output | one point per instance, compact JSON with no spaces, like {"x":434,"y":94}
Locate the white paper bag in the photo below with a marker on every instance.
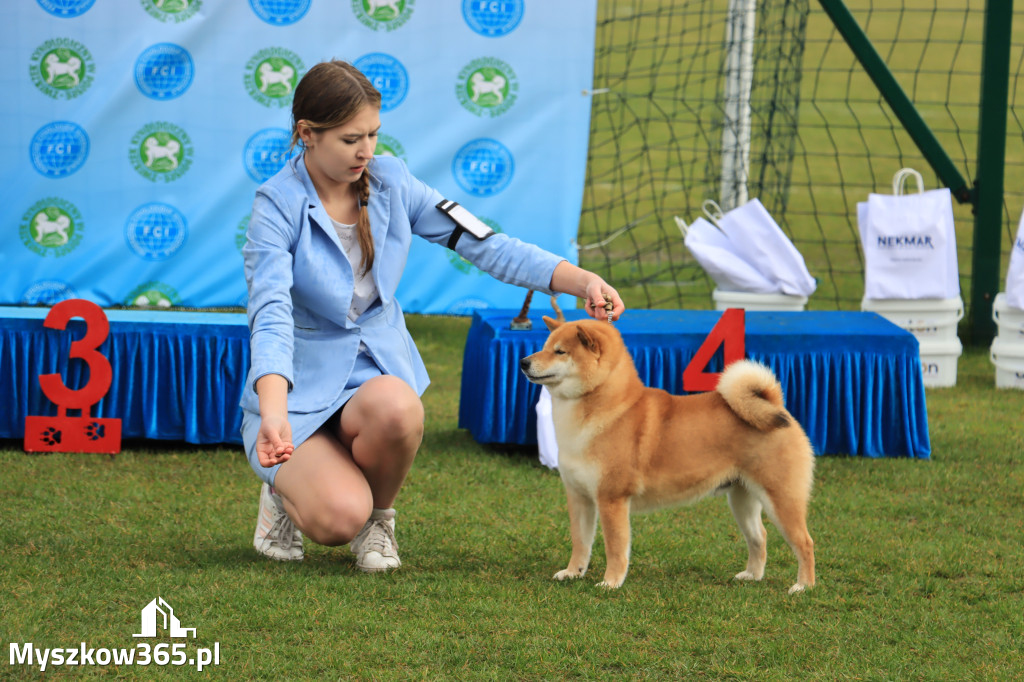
{"x":760,"y":241}
{"x":909,"y":242}
{"x":1015,"y":273}
{"x":717,"y":255}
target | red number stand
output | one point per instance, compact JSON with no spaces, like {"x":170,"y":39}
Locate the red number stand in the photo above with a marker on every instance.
{"x":729,"y":333}
{"x":83,"y":433}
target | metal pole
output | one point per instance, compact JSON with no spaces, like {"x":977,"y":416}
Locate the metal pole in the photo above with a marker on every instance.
{"x":739,"y":77}
{"x":988,"y":216}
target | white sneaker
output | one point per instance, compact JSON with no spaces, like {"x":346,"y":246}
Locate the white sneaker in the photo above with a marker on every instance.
{"x":375,"y":547}
{"x":276,"y":536}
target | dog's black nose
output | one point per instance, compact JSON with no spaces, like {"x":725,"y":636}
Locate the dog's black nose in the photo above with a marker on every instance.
{"x":524,"y":364}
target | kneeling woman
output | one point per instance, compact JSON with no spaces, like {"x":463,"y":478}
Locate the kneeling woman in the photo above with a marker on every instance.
{"x":332,"y":413}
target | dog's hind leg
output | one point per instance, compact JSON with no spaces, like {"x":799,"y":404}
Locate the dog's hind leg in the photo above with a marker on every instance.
{"x":615,"y":525}
{"x":789,"y":514}
{"x":746,"y":509}
{"x":583,"y":527}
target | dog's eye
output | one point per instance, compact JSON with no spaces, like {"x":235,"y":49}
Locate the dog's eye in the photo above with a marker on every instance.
{"x":559,"y":351}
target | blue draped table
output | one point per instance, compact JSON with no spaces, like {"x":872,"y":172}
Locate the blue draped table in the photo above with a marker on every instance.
{"x":852,"y":379}
{"x":176,"y":375}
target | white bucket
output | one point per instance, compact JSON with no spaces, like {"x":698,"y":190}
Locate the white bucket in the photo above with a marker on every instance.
{"x":1010,"y":320}
{"x":939,"y":358}
{"x":749,"y":301}
{"x":926,"y":318}
{"x":1008,"y":357}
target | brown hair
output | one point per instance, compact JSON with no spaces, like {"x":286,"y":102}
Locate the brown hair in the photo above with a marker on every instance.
{"x":330,"y":95}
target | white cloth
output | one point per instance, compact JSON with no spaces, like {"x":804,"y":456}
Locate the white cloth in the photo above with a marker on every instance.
{"x":546,"y":431}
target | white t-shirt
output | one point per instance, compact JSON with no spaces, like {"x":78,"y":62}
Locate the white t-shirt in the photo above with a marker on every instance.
{"x":365,"y":291}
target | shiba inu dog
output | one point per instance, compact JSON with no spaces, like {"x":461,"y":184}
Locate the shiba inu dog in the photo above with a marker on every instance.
{"x":624,"y":447}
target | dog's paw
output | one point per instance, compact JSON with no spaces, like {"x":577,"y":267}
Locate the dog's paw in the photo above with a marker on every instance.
{"x":569,"y":574}
{"x":611,"y":583}
{"x":747,"y":575}
{"x":798,"y":587}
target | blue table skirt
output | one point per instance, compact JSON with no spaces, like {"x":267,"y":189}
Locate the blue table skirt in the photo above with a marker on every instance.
{"x":852,"y":379}
{"x":176,"y":375}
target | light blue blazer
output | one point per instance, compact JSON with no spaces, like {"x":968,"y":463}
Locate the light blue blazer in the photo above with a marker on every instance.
{"x":300,"y":281}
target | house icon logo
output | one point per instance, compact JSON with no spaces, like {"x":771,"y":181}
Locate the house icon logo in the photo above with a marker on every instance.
{"x":159,"y":613}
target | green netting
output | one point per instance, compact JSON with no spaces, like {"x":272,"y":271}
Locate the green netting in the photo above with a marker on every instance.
{"x":821,"y":136}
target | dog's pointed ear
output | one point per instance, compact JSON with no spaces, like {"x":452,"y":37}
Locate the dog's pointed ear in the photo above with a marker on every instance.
{"x":552,"y":324}
{"x":588,"y":340}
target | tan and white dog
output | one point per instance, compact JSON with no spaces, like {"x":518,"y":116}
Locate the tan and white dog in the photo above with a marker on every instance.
{"x":624,"y":447}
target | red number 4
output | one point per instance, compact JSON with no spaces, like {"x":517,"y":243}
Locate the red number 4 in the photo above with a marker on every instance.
{"x":729,"y":333}
{"x":64,"y":433}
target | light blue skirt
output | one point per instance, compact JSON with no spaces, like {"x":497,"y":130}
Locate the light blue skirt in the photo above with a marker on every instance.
{"x":305,"y":424}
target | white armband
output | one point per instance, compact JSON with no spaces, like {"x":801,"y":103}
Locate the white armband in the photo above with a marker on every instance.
{"x":464,"y":222}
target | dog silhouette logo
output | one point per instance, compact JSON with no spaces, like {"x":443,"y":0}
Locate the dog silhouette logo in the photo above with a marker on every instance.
{"x":51,"y":227}
{"x":157,"y":615}
{"x":382,"y":15}
{"x":62,"y":68}
{"x":161,"y":151}
{"x":271,"y":76}
{"x":175,"y":11}
{"x":487,"y":87}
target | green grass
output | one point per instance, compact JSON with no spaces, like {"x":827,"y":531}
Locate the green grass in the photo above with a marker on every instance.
{"x":920,"y":564}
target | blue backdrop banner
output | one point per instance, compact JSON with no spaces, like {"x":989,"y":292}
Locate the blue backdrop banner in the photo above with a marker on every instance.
{"x":134,"y":134}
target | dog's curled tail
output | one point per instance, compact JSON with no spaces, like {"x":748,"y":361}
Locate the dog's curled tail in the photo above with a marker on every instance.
{"x":754,"y":394}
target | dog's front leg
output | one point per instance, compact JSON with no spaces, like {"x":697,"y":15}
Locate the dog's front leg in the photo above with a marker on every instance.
{"x":582,"y":526}
{"x":615,"y":524}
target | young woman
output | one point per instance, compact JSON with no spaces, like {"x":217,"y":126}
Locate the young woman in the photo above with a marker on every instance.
{"x":332,"y":412}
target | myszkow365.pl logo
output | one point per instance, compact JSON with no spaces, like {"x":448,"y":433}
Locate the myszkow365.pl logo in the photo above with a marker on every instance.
{"x":487,"y":87}
{"x":157,"y":615}
{"x":161,"y":151}
{"x":271,"y":76}
{"x":62,"y":68}
{"x":384,"y":15}
{"x":172,"y":10}
{"x":51,"y":227}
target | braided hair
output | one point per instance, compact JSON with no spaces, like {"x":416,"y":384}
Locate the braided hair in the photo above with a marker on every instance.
{"x":329,"y":95}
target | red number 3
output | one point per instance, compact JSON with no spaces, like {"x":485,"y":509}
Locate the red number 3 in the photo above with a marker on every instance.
{"x":97,"y":328}
{"x":82,"y":433}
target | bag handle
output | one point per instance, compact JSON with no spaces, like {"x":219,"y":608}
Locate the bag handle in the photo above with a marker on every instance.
{"x":900,"y":179}
{"x":681,"y":224}
{"x":713,"y":211}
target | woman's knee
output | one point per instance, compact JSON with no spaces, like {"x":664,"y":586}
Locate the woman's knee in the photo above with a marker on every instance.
{"x":393,"y":408}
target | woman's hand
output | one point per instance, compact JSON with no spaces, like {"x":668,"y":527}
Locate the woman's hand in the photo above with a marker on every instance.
{"x":599,"y":295}
{"x":274,"y":441}
{"x":595,"y":292}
